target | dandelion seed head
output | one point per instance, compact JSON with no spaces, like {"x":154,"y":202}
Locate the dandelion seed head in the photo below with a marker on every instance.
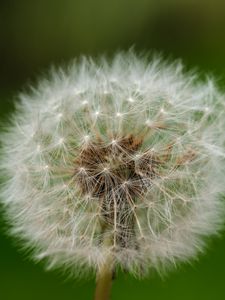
{"x":100,"y":153}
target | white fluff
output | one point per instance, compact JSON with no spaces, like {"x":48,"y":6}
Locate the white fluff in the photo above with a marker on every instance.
{"x":67,"y":111}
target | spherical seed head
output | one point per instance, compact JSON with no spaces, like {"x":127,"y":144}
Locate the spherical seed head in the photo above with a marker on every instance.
{"x":122,"y":159}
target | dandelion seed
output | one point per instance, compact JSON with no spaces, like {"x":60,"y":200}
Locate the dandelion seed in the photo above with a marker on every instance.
{"x":61,"y":141}
{"x":86,"y":138}
{"x":137,"y":193}
{"x":60,"y":115}
{"x":119,"y":115}
{"x":84,"y":102}
{"x":131,"y":100}
{"x":114,"y":142}
{"x":148,"y":123}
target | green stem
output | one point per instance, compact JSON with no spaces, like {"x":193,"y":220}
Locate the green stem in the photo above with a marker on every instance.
{"x":104,"y":283}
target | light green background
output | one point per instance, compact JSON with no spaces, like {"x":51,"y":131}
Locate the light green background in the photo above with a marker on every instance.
{"x":35,"y":34}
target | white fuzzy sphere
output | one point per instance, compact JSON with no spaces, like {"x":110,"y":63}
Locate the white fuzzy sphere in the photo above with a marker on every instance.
{"x":120,"y":159}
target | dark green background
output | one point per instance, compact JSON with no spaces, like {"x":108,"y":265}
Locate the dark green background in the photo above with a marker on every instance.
{"x":36,"y":34}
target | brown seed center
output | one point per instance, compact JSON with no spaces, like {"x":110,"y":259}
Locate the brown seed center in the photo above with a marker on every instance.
{"x":103,"y":169}
{"x":116,"y":174}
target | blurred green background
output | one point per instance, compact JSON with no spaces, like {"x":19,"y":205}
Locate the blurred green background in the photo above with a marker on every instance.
{"x":36,"y":34}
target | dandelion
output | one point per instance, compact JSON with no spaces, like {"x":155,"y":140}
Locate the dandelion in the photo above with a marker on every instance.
{"x":115,"y":165}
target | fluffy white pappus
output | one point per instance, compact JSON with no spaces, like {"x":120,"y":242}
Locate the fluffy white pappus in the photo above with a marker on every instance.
{"x":122,"y":160}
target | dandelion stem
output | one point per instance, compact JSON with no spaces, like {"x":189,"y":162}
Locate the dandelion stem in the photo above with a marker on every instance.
{"x":104,"y":283}
{"x":105,"y":273}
